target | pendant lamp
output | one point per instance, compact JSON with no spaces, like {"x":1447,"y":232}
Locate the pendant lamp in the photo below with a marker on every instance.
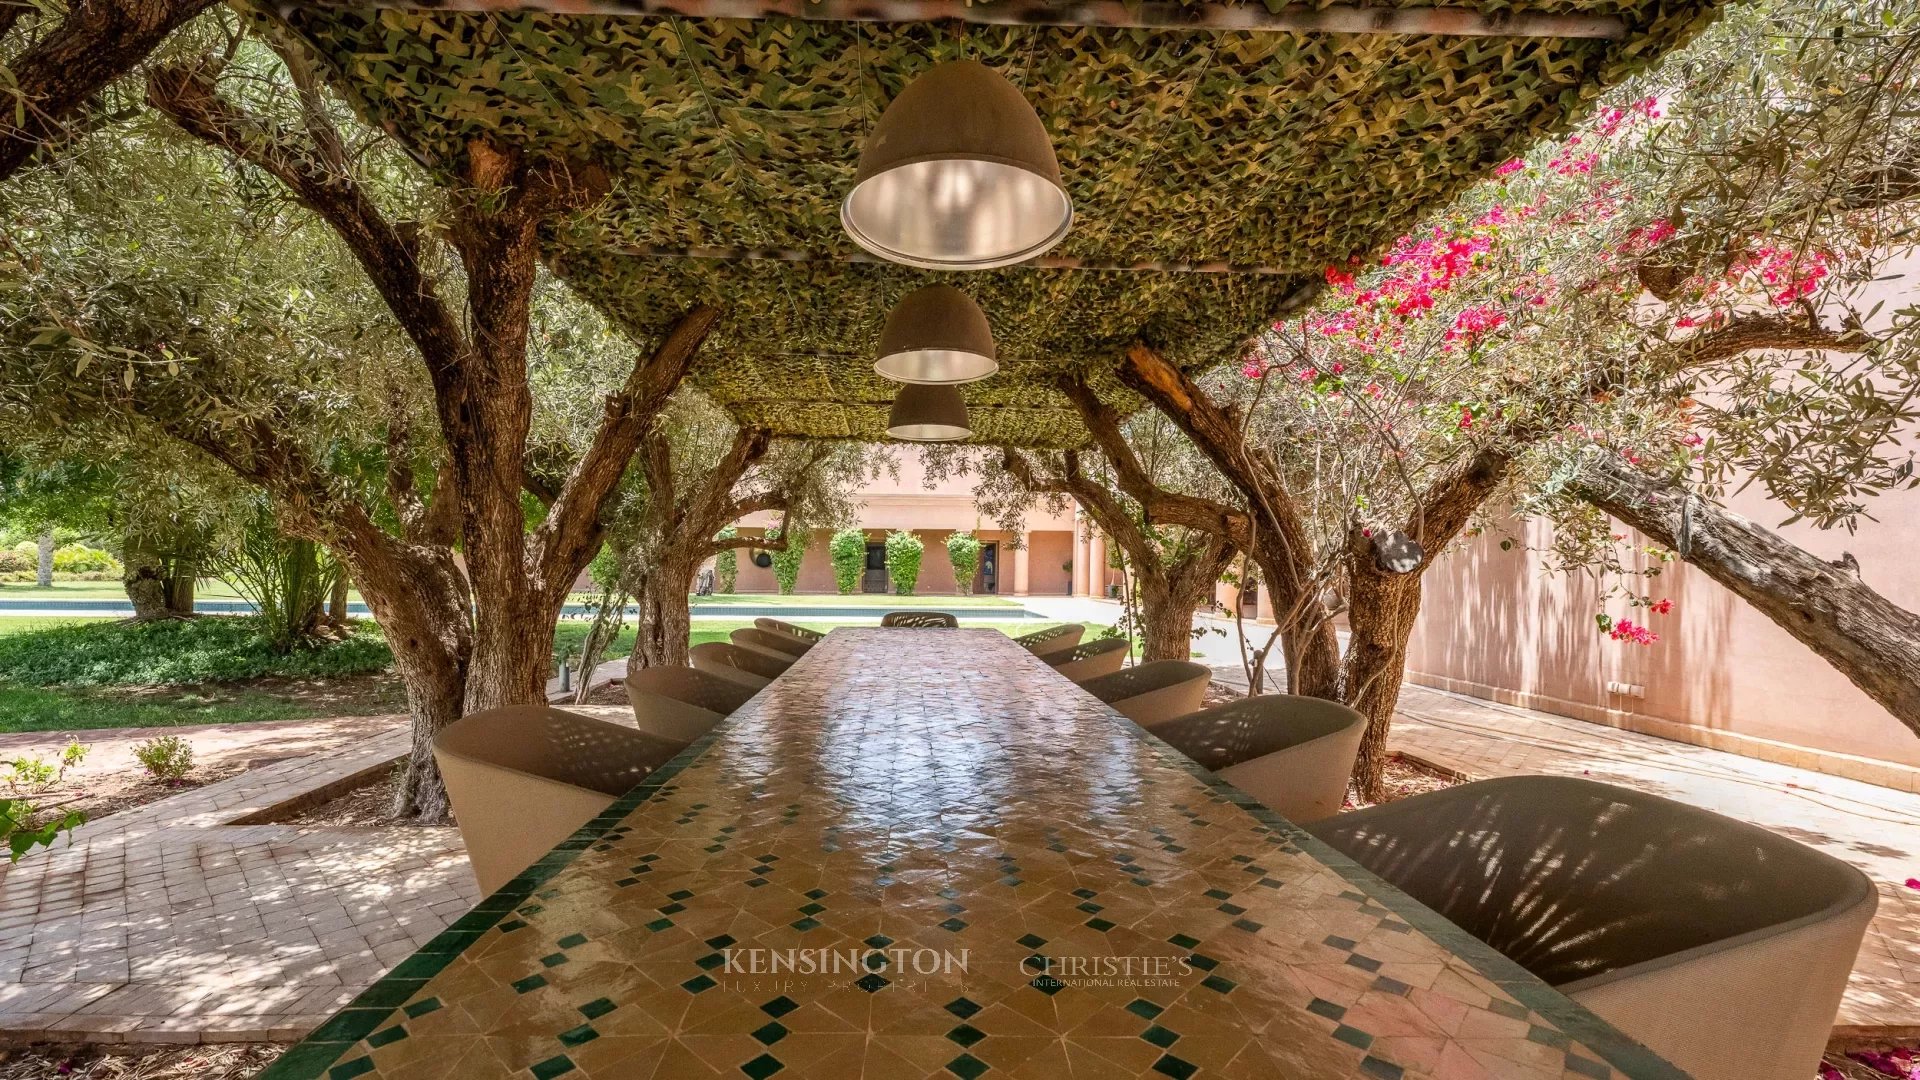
{"x":958,"y":175}
{"x":926,"y":412}
{"x":936,"y":335}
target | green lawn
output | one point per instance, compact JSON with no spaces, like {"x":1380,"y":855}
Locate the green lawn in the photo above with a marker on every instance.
{"x":876,"y":600}
{"x":23,"y":624}
{"x":204,"y":589}
{"x":28,"y":708}
{"x":572,"y":633}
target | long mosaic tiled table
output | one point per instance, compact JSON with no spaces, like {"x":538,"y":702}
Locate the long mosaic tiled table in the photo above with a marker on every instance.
{"x":1000,"y":876}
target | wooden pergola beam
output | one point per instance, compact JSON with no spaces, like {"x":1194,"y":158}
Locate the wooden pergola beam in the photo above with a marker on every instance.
{"x":1149,"y":14}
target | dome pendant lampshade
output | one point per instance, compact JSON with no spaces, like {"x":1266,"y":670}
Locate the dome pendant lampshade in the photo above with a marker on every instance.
{"x":958,"y":175}
{"x":924,"y":412}
{"x":936,"y":335}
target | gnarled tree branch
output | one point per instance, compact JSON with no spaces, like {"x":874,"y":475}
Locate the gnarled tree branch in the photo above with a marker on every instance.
{"x":573,"y":529}
{"x":1873,"y":642}
{"x":95,"y":42}
{"x":387,"y":254}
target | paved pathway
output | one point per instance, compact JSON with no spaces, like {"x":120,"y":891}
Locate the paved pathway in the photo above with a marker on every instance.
{"x":167,"y":923}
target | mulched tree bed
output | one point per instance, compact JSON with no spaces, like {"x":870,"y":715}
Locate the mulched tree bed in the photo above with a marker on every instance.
{"x":230,"y":1061}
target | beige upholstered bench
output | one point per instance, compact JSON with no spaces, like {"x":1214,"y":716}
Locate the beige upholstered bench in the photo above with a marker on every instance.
{"x":780,"y":627}
{"x":1295,"y":754}
{"x":772,"y":642}
{"x":1090,"y":659}
{"x":1151,"y":694}
{"x":1053,"y":639}
{"x":750,"y":669}
{"x":1722,"y":946}
{"x":680,"y":703}
{"x":920,"y":619}
{"x":524,"y":778}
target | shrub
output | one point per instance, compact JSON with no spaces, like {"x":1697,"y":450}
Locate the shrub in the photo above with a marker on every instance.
{"x":786,"y":563}
{"x":287,"y":579}
{"x":28,"y":776}
{"x":903,"y":560}
{"x":207,"y":648}
{"x":849,"y":550}
{"x":13,"y":562}
{"x":81,"y":559}
{"x":963,"y":549}
{"x":726,"y":565}
{"x":167,"y":758}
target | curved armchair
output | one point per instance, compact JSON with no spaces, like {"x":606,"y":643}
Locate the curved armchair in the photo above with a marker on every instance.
{"x":750,"y":669}
{"x":1090,"y":659}
{"x":774,"y":644}
{"x":1295,"y":754}
{"x":526,"y":777}
{"x":1705,"y":938}
{"x":1152,"y":694}
{"x":781,"y":627}
{"x":920,"y":619}
{"x":1053,"y":639}
{"x":679,"y":703}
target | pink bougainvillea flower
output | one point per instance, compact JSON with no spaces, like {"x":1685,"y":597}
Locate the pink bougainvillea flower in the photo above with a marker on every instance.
{"x":1509,"y":167}
{"x":1913,"y":883}
{"x":1662,"y":607}
{"x":1628,"y":630}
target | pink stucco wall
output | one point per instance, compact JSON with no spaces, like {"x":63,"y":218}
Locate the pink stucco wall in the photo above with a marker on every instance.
{"x":906,"y":502}
{"x":1496,"y":624}
{"x":1047,"y":550}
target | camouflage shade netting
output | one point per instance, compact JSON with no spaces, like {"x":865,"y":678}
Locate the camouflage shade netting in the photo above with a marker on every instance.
{"x":1267,"y":154}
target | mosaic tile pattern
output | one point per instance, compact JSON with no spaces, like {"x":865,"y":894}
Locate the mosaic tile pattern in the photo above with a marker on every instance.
{"x":1006,"y":879}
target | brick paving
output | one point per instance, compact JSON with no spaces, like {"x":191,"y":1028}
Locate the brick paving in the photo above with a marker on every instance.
{"x":1874,"y":828}
{"x":167,"y":923}
{"x":170,"y":923}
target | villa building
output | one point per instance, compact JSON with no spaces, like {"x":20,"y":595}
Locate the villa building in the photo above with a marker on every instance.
{"x":1051,"y":555}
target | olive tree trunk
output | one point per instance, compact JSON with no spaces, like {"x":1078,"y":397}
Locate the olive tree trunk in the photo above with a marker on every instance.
{"x":666,"y":619}
{"x":144,"y":576}
{"x":1380,"y":620}
{"x":1873,"y":642}
{"x":1166,"y":621}
{"x":418,"y":596}
{"x":43,"y":569}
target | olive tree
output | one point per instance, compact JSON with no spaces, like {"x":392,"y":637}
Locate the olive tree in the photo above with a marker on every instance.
{"x":1664,"y":288}
{"x":232,"y":280}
